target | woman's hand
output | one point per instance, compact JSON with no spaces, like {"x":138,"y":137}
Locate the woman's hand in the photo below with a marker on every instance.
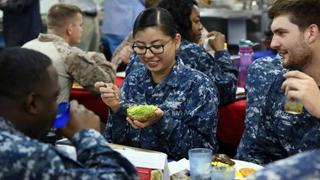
{"x":217,"y":43}
{"x":110,"y":95}
{"x":138,"y":124}
{"x":302,"y":87}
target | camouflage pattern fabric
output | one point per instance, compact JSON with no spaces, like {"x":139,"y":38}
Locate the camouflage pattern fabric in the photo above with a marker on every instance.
{"x":73,"y":64}
{"x":25,"y":158}
{"x":189,"y":100}
{"x":271,"y":133}
{"x":299,"y":167}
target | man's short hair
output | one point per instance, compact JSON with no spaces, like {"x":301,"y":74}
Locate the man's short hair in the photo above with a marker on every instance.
{"x":22,"y":71}
{"x":60,"y":15}
{"x":303,"y":13}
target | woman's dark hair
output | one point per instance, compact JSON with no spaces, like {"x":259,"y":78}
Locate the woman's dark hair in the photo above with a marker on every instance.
{"x":22,"y":71}
{"x":181,"y":11}
{"x":155,"y":17}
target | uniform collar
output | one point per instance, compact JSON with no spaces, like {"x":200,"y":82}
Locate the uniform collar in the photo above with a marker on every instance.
{"x":50,"y":37}
{"x":6,"y":125}
{"x":173,"y":77}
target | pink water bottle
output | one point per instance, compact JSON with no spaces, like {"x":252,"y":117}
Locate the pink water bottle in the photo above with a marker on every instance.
{"x":245,"y":53}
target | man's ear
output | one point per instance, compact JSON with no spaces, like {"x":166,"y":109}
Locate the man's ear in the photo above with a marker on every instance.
{"x":312,"y":33}
{"x":69,"y":29}
{"x":31,"y":104}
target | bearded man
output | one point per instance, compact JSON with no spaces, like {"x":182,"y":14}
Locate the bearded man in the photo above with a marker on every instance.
{"x":272,"y":133}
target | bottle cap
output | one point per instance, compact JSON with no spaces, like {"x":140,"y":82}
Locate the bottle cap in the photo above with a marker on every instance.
{"x":247,"y":43}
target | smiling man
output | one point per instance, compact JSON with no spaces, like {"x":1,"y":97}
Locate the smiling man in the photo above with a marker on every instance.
{"x":271,"y":133}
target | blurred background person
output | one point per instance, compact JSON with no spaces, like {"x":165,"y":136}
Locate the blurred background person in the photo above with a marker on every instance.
{"x":73,"y":64}
{"x":121,"y":55}
{"x":21,"y":21}
{"x":90,"y":37}
{"x":118,"y":19}
{"x":268,"y":51}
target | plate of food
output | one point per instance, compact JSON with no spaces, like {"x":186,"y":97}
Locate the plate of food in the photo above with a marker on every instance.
{"x":243,"y":169}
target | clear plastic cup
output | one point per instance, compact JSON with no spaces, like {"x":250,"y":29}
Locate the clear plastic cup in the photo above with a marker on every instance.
{"x":200,"y":163}
{"x":293,"y":106}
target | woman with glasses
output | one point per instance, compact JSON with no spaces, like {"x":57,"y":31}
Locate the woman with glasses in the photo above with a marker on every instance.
{"x":219,"y":68}
{"x":187,"y":99}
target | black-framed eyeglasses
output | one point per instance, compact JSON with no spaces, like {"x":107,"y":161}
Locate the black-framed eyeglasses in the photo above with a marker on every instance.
{"x":154,"y":48}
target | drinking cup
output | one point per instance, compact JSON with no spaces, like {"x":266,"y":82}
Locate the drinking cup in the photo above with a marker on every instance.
{"x":63,"y":115}
{"x":293,"y":106}
{"x":200,"y":163}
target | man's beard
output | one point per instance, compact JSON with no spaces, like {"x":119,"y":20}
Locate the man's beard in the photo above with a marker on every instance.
{"x":298,"y":58}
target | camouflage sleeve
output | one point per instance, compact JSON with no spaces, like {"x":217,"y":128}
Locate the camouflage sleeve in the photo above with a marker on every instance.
{"x":117,"y":128}
{"x":227,"y":79}
{"x":304,"y":165}
{"x":261,"y":75}
{"x":97,"y":161}
{"x":86,"y":69}
{"x":219,"y":68}
{"x":265,"y":147}
{"x":29,"y":159}
{"x":94,"y":152}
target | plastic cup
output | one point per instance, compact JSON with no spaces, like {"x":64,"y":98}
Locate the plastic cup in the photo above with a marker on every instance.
{"x":63,"y":115}
{"x":223,"y":173}
{"x":200,"y":163}
{"x":293,"y":106}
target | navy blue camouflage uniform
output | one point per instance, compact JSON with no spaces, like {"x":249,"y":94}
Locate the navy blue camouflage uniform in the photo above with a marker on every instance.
{"x":271,"y":133}
{"x":189,"y":100}
{"x":298,"y":167}
{"x":25,"y":158}
{"x":220,"y":68}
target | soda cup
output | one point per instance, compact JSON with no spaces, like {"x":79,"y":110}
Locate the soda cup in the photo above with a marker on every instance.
{"x":293,"y":106}
{"x":63,"y":115}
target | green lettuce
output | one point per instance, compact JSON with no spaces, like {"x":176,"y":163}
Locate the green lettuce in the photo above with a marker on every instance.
{"x":139,"y":111}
